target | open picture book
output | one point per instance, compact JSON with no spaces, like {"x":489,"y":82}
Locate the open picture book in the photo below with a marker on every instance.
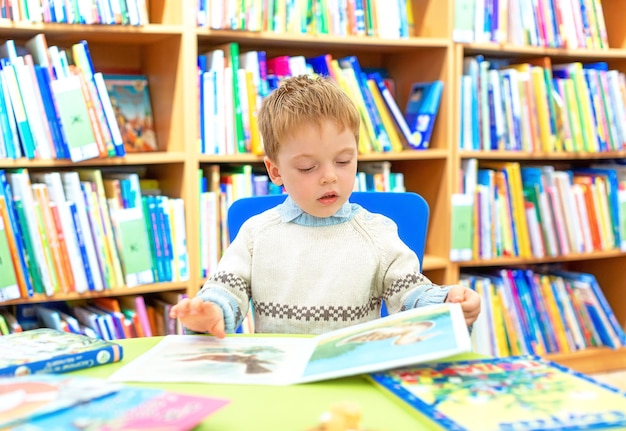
{"x":410,"y":337}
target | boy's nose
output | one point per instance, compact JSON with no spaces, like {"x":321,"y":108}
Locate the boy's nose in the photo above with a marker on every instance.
{"x":329,"y":176}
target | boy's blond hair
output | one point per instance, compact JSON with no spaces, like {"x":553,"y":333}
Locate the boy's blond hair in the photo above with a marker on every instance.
{"x":303,"y":100}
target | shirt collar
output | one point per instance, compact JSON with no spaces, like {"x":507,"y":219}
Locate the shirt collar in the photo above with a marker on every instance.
{"x":290,"y":212}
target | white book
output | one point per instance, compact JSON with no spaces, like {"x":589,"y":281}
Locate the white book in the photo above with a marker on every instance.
{"x":179,"y":239}
{"x":73,"y":192}
{"x":572,"y":221}
{"x":210,"y":144}
{"x":581,"y":207}
{"x":37,"y":120}
{"x":229,"y":110}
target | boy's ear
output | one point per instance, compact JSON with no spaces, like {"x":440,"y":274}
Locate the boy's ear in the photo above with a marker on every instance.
{"x":273,"y":171}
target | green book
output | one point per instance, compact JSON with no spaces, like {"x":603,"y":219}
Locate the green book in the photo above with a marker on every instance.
{"x":130,"y":228}
{"x":74,"y":116}
{"x":233,"y":59}
{"x":462,"y":227}
{"x":29,"y":253}
{"x":8,"y":280}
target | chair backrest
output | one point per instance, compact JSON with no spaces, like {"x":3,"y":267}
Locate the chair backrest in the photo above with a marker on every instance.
{"x":408,"y":210}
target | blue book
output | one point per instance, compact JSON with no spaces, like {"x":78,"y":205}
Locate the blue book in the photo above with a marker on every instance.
{"x":80,"y":238}
{"x":421,"y":111}
{"x":48,"y":350}
{"x":519,"y":392}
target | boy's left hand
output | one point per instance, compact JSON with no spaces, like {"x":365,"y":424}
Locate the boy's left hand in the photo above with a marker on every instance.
{"x":469,"y":300}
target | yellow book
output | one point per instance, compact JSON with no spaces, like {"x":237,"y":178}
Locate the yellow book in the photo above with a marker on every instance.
{"x":502,"y":344}
{"x":504,"y":215}
{"x":601,"y":197}
{"x":548,"y":139}
{"x":255,"y":136}
{"x":365,"y":144}
{"x":556,"y":322}
{"x":576,"y":129}
{"x":584,"y":106}
{"x":512,"y":336}
{"x":388,"y":123}
{"x":514,"y":179}
{"x":100,"y":197}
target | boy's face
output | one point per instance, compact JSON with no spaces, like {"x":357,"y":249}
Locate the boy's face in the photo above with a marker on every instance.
{"x":317,"y":167}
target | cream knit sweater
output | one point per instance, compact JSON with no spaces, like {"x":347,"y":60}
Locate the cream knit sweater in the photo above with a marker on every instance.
{"x":308,"y":276}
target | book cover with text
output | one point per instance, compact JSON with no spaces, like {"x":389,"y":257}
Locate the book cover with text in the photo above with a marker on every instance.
{"x":48,"y":350}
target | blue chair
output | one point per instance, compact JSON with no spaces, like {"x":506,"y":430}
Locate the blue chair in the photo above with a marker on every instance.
{"x":408,"y":210}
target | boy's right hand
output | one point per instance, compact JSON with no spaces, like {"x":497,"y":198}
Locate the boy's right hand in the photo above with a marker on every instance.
{"x":200,"y":316}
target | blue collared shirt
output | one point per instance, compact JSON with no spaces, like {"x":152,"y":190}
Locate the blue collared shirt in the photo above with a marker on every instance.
{"x":290,"y":212}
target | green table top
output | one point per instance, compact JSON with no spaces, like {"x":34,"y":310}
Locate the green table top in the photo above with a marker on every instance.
{"x":276,"y":408}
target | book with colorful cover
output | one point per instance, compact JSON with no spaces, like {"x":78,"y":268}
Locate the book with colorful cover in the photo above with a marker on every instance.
{"x":46,"y":350}
{"x":510,"y":393}
{"x":409,"y":337}
{"x":421,"y":111}
{"x":25,"y":398}
{"x":55,"y":402}
{"x":131,"y":408}
{"x":130,"y":99}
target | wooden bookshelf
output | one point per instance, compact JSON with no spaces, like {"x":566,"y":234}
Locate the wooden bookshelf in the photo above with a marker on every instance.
{"x":166,"y":51}
{"x":607,"y":266}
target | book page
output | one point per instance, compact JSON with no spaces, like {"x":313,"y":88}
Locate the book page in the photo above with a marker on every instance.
{"x":206,"y":359}
{"x":410,"y":337}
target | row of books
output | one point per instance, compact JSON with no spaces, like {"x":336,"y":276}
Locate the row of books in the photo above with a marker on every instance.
{"x":538,"y":211}
{"x":233,"y":84}
{"x":377,"y":18}
{"x":121,"y":12}
{"x":82,"y":230}
{"x":540,"y":107}
{"x":128,"y":316}
{"x":539,"y":312}
{"x":51,"y":108}
{"x":548,"y":23}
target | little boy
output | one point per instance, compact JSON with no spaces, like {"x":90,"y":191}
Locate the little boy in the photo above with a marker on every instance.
{"x":315,"y":263}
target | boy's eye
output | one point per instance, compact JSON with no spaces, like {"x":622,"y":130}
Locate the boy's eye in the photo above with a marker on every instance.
{"x":343,"y":162}
{"x":306,"y":169}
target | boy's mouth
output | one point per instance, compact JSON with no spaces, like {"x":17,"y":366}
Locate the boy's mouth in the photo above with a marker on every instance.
{"x":328,"y":198}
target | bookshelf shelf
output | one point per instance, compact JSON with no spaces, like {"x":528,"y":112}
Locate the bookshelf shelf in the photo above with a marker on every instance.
{"x":573,"y":257}
{"x":360,"y":43}
{"x":58,"y":33}
{"x":128,"y":160}
{"x":594,"y":360}
{"x":118,"y":291}
{"x":508,"y":51}
{"x":522,"y":155}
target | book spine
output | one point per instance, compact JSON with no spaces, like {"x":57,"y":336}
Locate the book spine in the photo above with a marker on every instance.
{"x":65,"y":363}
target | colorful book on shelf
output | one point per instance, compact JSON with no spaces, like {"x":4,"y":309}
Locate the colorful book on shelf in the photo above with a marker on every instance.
{"x":421,"y":111}
{"x":409,"y":337}
{"x":131,"y":102}
{"x":48,"y":350}
{"x":519,"y":392}
{"x":46,"y":402}
{"x":27,"y":398}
